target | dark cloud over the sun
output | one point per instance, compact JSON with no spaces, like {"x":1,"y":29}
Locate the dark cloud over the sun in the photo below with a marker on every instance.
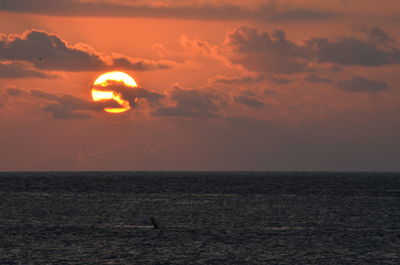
{"x":67,"y":106}
{"x":176,"y":102}
{"x":131,"y":94}
{"x":271,"y":11}
{"x":48,"y":51}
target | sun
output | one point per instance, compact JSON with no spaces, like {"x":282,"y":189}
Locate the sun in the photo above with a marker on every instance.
{"x":102,"y":90}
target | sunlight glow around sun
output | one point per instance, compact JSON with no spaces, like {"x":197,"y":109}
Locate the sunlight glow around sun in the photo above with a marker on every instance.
{"x":109,"y":94}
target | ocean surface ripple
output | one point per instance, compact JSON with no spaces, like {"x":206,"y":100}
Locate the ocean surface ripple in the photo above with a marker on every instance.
{"x":203,"y":218}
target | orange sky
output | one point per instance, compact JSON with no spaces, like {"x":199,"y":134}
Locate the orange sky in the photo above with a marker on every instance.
{"x":242,"y":85}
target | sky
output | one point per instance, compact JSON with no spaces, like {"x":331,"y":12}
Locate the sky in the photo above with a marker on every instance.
{"x":290,"y":85}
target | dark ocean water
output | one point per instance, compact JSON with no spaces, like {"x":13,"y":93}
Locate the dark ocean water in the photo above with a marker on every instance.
{"x":204,"y":218}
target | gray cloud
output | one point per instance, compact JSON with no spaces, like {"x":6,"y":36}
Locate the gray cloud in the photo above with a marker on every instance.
{"x":17,"y":70}
{"x":68,"y":106}
{"x":279,"y":80}
{"x":9,"y":91}
{"x":353,"y":51}
{"x":65,"y":106}
{"x":269,"y":12}
{"x":140,"y":64}
{"x":182,"y":102}
{"x":14,"y":91}
{"x":274,"y":53}
{"x":237,"y":80}
{"x":177,"y":102}
{"x":317,"y":79}
{"x":132,"y":94}
{"x":360,"y":84}
{"x":272,"y":12}
{"x":377,"y":35}
{"x":189,"y":103}
{"x":249,"y":101}
{"x":336,"y":68}
{"x":260,"y":51}
{"x":47,"y":51}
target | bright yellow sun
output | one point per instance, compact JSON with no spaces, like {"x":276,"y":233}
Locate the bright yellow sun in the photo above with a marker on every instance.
{"x":102,"y":91}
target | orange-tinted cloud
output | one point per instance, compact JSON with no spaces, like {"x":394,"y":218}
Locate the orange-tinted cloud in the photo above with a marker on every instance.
{"x":353,"y":51}
{"x":130,"y":94}
{"x":264,"y":13}
{"x":15,"y":70}
{"x":262,"y":52}
{"x":360,"y":84}
{"x":237,"y":80}
{"x":190,"y":103}
{"x":48,"y":51}
{"x":67,"y":106}
{"x":250,"y":101}
{"x":312,"y":78}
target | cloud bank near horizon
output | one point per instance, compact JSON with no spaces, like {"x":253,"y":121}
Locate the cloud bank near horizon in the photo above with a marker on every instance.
{"x":271,"y":11}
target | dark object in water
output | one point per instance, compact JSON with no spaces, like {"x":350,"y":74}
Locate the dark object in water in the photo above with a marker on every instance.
{"x":153,"y":221}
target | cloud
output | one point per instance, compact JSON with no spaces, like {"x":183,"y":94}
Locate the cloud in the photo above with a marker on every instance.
{"x":360,"y":84}
{"x":14,"y":91}
{"x":131,"y":94}
{"x":66,"y":106}
{"x":248,"y":98}
{"x":270,"y":55}
{"x":48,"y":51}
{"x":262,"y":52}
{"x":271,"y":11}
{"x":18,"y":70}
{"x":140,"y":64}
{"x":195,"y":48}
{"x":189,"y":103}
{"x":353,"y":51}
{"x":311,"y":78}
{"x":249,"y":101}
{"x":9,"y":91}
{"x":183,"y":102}
{"x":274,"y":53}
{"x":377,"y":35}
{"x":176,"y":102}
{"x":279,"y":80}
{"x":237,"y":80}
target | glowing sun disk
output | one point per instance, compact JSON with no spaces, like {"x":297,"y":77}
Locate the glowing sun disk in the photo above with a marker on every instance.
{"x":115,"y":76}
{"x":103,"y":95}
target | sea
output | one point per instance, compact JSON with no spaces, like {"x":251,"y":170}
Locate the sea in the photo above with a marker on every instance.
{"x":202,"y":218}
